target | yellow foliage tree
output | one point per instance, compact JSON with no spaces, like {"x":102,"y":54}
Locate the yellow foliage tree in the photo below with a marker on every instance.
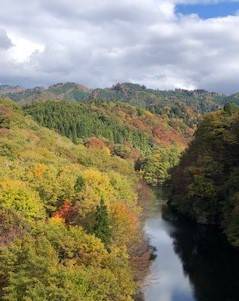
{"x":17,"y":196}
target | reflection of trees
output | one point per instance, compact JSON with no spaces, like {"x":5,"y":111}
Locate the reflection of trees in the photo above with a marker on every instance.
{"x":211,"y":264}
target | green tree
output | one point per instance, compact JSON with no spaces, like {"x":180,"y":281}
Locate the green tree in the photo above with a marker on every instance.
{"x":102,"y":227}
{"x":15,"y":195}
{"x":79,"y":184}
{"x":156,"y":166}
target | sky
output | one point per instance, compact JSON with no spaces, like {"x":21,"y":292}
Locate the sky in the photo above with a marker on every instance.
{"x":163,"y":44}
{"x":209,"y":10}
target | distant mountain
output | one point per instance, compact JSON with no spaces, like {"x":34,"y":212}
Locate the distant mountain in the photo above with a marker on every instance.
{"x":60,"y":91}
{"x":128,"y":92}
{"x":6,"y":89}
{"x":184,"y":104}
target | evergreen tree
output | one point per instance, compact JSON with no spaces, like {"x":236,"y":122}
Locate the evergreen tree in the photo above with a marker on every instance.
{"x":79,"y":184}
{"x":102,"y":227}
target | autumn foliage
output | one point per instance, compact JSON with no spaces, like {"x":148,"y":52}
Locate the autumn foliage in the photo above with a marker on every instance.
{"x":58,"y":241}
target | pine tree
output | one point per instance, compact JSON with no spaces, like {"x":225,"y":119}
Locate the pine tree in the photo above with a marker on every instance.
{"x":80,"y":182}
{"x":102,"y":227}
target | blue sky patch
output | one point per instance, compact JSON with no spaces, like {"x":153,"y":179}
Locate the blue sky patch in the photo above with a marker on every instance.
{"x":206,"y":11}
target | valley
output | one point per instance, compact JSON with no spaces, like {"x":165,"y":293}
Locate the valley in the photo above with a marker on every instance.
{"x":72,"y":160}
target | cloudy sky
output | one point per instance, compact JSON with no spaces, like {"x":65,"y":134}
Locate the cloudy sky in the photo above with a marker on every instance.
{"x":163,"y":44}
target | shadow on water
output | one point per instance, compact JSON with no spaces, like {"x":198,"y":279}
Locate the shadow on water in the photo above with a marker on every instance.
{"x":193,"y":263}
{"x":211,"y":264}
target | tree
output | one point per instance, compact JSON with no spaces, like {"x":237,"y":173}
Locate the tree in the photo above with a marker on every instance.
{"x":157,"y":164}
{"x":79,"y":184}
{"x":4,"y":121}
{"x":16,"y":196}
{"x":230,"y":108}
{"x":102,"y":227}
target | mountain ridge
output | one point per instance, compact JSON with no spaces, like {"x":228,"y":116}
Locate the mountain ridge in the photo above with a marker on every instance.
{"x":179,"y":103}
{"x":10,"y":90}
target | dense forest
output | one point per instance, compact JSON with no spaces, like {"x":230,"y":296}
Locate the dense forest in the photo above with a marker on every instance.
{"x":204,"y":186}
{"x":71,"y":162}
{"x":82,"y":121}
{"x":117,"y":122}
{"x":130,"y":133}
{"x":69,"y":211}
{"x":68,"y":216}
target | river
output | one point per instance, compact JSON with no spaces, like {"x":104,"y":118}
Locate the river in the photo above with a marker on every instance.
{"x":193,"y":263}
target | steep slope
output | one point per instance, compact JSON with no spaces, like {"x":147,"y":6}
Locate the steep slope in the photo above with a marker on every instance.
{"x":153,"y":142}
{"x":116,"y":122}
{"x":204,"y":186}
{"x":68,"y":216}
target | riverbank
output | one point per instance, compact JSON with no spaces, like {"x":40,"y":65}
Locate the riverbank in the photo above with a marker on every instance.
{"x":141,"y":263}
{"x":142,"y":254}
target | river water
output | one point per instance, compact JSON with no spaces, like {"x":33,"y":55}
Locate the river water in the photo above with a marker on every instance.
{"x":193,"y":263}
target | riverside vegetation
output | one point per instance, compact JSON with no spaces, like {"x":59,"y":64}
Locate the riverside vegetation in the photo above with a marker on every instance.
{"x":204,"y":186}
{"x":69,"y":210}
{"x":69,"y":215}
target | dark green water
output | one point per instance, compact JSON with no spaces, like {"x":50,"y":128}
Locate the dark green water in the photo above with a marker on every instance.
{"x":193,"y":263}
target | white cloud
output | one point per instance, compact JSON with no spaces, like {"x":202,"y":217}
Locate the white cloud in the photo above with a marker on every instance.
{"x":99,"y":43}
{"x":22,"y":49}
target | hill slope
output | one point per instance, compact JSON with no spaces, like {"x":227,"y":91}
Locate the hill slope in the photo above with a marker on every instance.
{"x":204,"y":185}
{"x":68,"y":216}
{"x":116,"y":122}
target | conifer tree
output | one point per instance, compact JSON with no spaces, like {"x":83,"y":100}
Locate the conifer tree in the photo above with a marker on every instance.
{"x":102,"y":227}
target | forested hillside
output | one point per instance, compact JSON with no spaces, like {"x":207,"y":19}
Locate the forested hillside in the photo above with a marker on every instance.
{"x":181,"y":104}
{"x":68,"y":216}
{"x":69,"y":213}
{"x":184,"y":105}
{"x":204,"y":186}
{"x":129,"y":132}
{"x":118,"y":123}
{"x":69,"y":206}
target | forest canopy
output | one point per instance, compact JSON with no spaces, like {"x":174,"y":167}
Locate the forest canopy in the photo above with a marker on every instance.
{"x":204,"y":186}
{"x":68,"y":214}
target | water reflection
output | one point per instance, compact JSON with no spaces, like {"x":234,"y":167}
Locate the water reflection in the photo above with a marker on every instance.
{"x":210,"y":262}
{"x":194,"y":263}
